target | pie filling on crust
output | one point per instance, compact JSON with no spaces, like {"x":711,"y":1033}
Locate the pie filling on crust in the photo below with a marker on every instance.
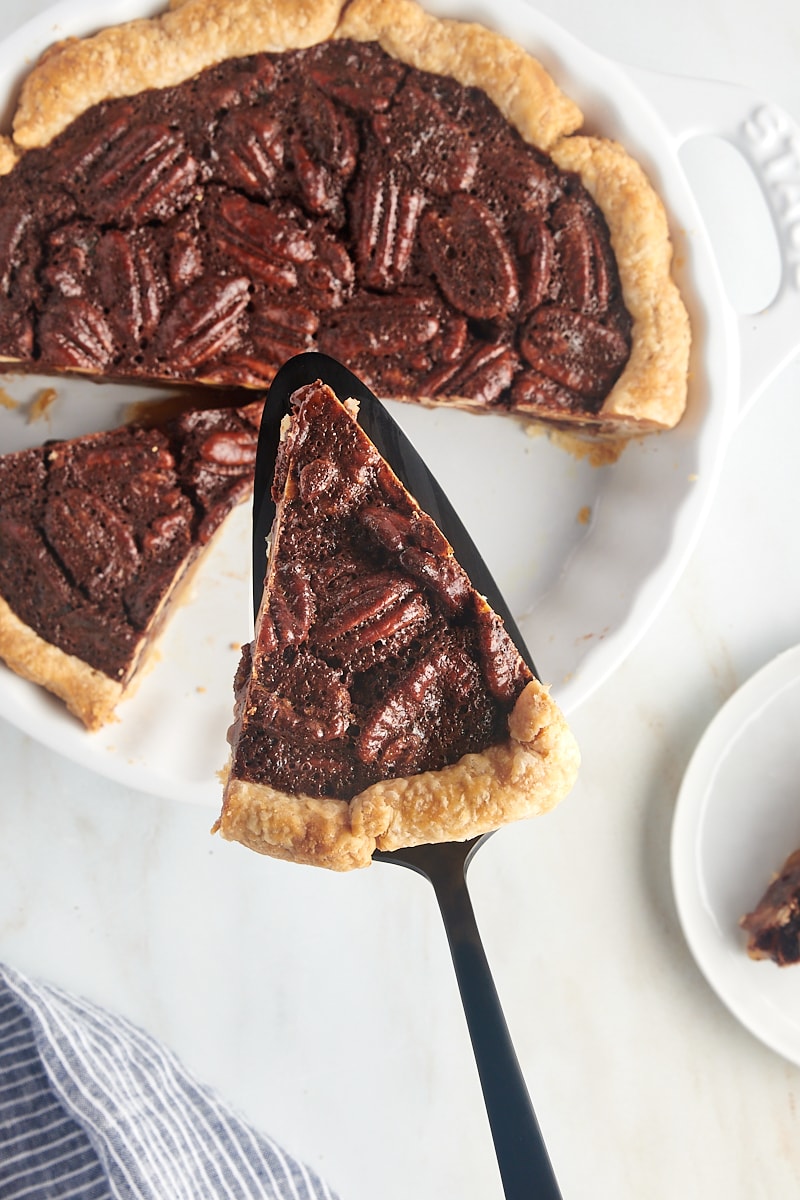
{"x":98,"y":536}
{"x":381,"y":703}
{"x":200,"y":195}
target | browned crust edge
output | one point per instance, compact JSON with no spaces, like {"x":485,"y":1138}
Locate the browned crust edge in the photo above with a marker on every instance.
{"x":525,"y":776}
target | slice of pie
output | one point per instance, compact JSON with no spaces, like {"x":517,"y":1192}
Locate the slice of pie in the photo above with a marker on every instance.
{"x":199,"y":195}
{"x":773,"y":927}
{"x":99,"y":535}
{"x":381,"y":703}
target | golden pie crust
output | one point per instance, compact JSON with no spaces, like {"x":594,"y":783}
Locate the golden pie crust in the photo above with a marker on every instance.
{"x":89,"y":694}
{"x":651,"y":392}
{"x":525,"y":776}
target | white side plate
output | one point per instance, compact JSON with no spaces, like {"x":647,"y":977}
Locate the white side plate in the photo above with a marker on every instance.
{"x":736,"y":821}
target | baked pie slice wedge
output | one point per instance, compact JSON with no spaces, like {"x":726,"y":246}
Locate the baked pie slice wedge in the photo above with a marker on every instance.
{"x":99,"y":537}
{"x":381,"y":703}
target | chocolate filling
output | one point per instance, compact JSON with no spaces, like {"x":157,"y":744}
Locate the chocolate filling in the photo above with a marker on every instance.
{"x":94,"y":531}
{"x":327,"y":198}
{"x":374,"y":657}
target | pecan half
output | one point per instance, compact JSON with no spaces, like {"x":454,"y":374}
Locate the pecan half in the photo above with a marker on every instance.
{"x":204,"y":324}
{"x":93,"y":541}
{"x":128,"y":283}
{"x":75,"y":334}
{"x":267,"y":243}
{"x":248,"y":151}
{"x":470,"y":259}
{"x":146,"y":175}
{"x":364,"y":79}
{"x":386,"y":209}
{"x":573,"y":349}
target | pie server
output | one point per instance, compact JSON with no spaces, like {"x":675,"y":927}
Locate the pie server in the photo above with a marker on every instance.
{"x":522,"y":1156}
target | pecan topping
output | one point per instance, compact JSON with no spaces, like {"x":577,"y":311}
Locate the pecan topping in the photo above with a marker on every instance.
{"x":128,"y":284}
{"x":386,"y":212}
{"x":574,"y":349}
{"x":379,"y":213}
{"x":470,"y":259}
{"x":93,"y":541}
{"x":77,"y":335}
{"x":204,"y":323}
{"x":438,"y":151}
{"x":147,"y":174}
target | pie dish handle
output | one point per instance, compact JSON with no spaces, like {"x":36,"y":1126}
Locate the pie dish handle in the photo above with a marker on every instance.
{"x":768,"y":140}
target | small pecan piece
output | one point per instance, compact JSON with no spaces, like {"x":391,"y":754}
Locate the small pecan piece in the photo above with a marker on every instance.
{"x":484,"y":376}
{"x":441,"y":574}
{"x":14,"y":221}
{"x":536,"y":249}
{"x":396,"y":531}
{"x":504,"y":671}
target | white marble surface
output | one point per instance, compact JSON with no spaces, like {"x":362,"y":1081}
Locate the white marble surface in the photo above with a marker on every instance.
{"x":325,"y":1007}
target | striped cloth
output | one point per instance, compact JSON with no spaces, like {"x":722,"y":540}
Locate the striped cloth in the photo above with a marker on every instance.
{"x":92,"y":1108}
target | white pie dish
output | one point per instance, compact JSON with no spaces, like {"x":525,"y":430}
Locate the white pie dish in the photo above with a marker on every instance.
{"x":736,"y":821}
{"x":586,"y":573}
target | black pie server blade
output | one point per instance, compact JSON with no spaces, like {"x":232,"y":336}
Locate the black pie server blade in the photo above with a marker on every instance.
{"x":522,"y":1157}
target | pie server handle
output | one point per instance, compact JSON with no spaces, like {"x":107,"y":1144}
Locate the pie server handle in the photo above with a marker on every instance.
{"x":522,"y":1156}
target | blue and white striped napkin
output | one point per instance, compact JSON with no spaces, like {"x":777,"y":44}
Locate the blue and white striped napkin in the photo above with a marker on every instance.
{"x":92,"y":1108}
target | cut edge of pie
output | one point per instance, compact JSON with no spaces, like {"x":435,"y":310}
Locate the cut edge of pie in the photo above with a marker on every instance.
{"x":651,"y":393}
{"x":89,"y":694}
{"x":526,"y":774}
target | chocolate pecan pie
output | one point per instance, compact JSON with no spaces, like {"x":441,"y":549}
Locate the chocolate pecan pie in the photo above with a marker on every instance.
{"x":381,"y":703}
{"x":773,"y":927}
{"x":97,"y":535}
{"x":199,"y":195}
